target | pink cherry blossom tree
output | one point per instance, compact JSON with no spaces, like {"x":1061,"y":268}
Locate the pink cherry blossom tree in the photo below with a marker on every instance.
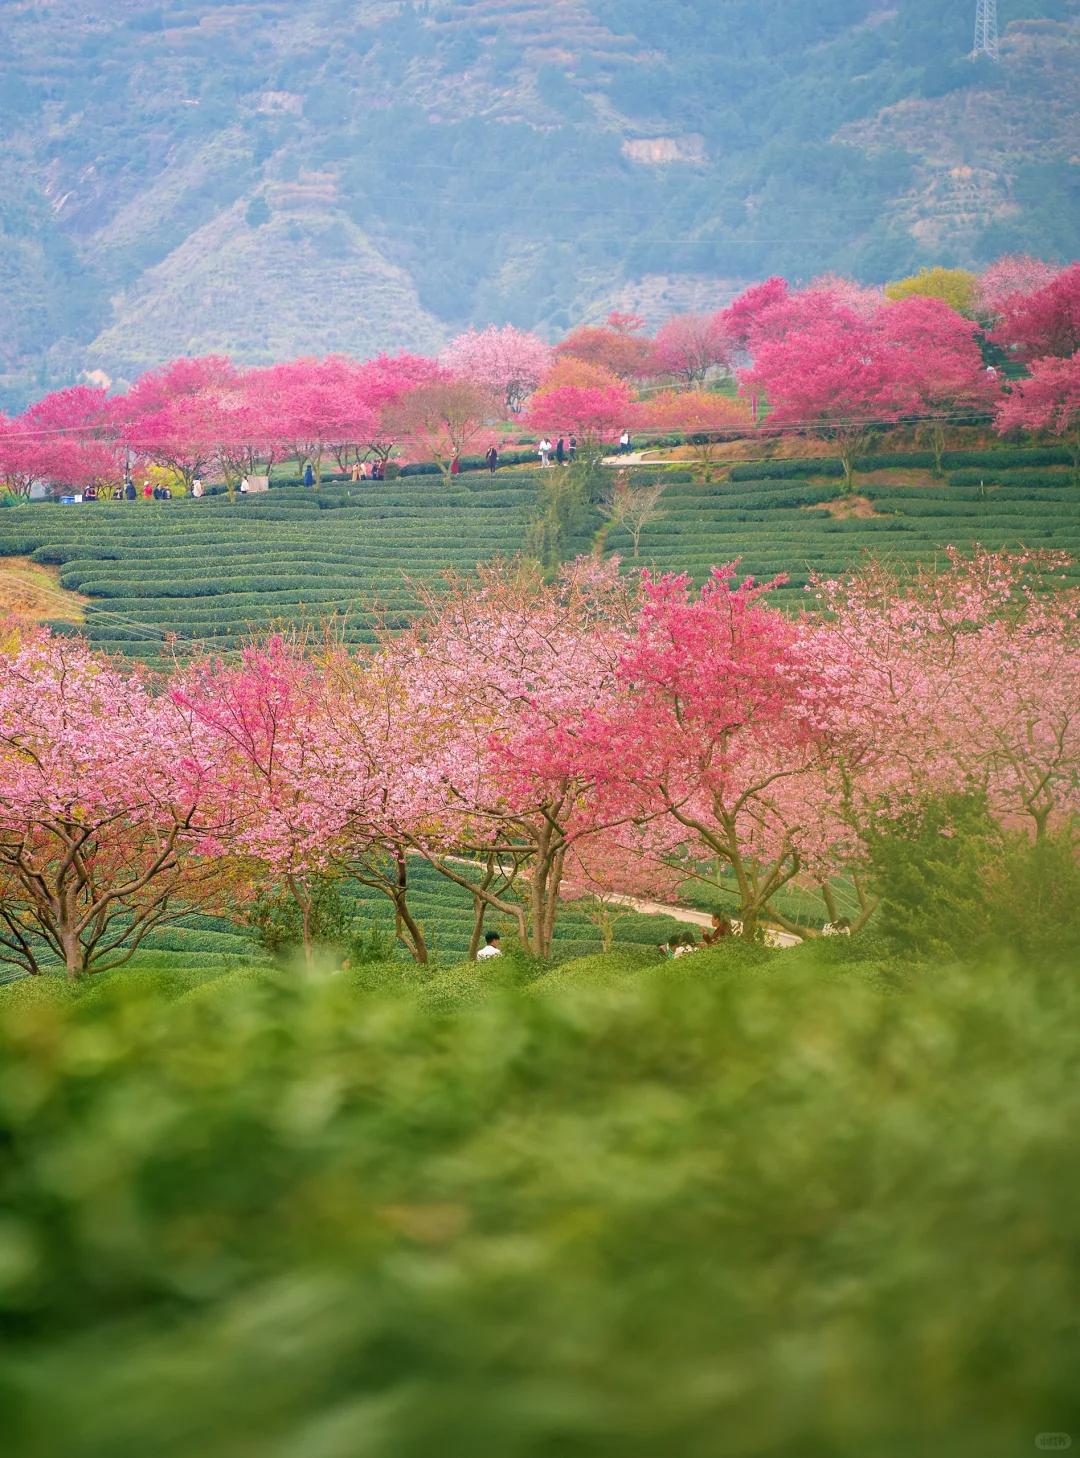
{"x":835,"y":377}
{"x":593,"y":414}
{"x":1045,"y":320}
{"x":383,"y":382}
{"x":688,"y":346}
{"x":509,"y":363}
{"x":946,"y":367}
{"x":1048,"y":400}
{"x":107,"y":826}
{"x":721,"y":730}
{"x":172,"y":415}
{"x":504,"y":677}
{"x":321,"y":408}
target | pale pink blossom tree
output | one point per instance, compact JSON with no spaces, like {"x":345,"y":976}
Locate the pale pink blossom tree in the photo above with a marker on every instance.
{"x":966,"y":678}
{"x":439,"y":421}
{"x":509,"y":363}
{"x":108,"y":827}
{"x":1005,"y":278}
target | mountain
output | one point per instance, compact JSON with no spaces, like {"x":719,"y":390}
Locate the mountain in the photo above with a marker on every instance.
{"x":271,"y":178}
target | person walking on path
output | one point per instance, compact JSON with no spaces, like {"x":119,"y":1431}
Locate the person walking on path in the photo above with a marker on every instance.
{"x":560,"y":451}
{"x":543,"y":450}
{"x":624,"y":443}
{"x":492,"y":459}
{"x":572,"y":449}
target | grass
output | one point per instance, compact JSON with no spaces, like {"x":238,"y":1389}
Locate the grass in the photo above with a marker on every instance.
{"x":811,"y":1203}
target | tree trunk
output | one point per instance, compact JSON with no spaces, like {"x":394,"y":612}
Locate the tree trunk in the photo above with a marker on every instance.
{"x":410,"y":931}
{"x":74,"y":956}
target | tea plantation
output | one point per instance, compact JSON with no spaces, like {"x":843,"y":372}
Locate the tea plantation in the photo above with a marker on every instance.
{"x":209,"y":572}
{"x":775,"y":516}
{"x":215,"y":944}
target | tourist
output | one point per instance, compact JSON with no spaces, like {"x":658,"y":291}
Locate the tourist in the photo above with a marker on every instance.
{"x":491,"y":948}
{"x":543,"y":450}
{"x":129,"y":489}
{"x":147,"y":491}
{"x":492,"y":459}
{"x":196,"y":488}
{"x":624,"y":443}
{"x":841,"y":927}
{"x":683,"y":944}
{"x":560,"y":451}
{"x":309,"y":475}
{"x":455,"y":466}
{"x":245,"y":485}
{"x":719,"y":929}
{"x":357,"y":472}
{"x":571,"y":450}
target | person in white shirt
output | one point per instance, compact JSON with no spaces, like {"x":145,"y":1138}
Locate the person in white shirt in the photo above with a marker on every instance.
{"x":543,"y":450}
{"x":491,"y":949}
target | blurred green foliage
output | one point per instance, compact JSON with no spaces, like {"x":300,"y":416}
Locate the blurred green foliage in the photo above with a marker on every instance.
{"x":812,"y":1203}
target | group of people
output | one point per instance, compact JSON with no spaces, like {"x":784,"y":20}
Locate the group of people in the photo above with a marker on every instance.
{"x":149,"y":491}
{"x":684,"y":942}
{"x":564,"y":451}
{"x":366,"y":471}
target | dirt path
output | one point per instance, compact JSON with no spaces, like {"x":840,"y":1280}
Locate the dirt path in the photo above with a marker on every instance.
{"x":773,"y":936}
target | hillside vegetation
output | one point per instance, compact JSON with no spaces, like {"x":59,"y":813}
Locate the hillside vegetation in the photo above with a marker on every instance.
{"x":266,"y":180}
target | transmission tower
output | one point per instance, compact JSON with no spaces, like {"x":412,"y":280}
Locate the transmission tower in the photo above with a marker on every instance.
{"x":986,"y":30}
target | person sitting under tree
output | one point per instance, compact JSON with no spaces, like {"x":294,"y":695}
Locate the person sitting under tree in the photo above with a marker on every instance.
{"x":492,"y":947}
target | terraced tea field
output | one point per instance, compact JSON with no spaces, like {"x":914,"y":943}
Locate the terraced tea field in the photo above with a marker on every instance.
{"x":802,"y":525}
{"x":209,"y":572}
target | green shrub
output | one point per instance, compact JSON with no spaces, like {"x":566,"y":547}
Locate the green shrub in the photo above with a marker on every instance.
{"x":622,"y":1209}
{"x":954,"y":884}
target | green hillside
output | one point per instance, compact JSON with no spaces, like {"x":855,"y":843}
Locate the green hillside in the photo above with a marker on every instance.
{"x":270,"y":179}
{"x":210,"y":572}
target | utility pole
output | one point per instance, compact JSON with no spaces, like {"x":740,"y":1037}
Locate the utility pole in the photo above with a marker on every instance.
{"x":986,"y":30}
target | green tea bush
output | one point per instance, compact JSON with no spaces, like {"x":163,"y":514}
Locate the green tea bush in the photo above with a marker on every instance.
{"x":732,"y":1204}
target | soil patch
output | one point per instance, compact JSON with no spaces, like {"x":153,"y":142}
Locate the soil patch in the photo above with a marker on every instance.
{"x":32,"y":593}
{"x":845,"y":507}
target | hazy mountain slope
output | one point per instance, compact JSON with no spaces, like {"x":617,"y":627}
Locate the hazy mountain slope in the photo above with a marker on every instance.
{"x":272,"y":176}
